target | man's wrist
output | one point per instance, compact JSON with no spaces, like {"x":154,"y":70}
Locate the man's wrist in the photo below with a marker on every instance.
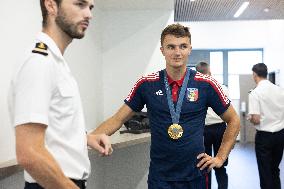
{"x":223,"y":159}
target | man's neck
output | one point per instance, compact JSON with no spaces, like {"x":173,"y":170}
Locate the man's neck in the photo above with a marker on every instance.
{"x":61,"y":39}
{"x":259,"y":79}
{"x":176,"y":73}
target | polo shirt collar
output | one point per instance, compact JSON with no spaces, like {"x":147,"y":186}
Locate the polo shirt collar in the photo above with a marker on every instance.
{"x":179,"y":82}
{"x":43,"y":37}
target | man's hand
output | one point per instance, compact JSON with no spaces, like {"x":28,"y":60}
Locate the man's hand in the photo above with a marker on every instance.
{"x":101,"y":143}
{"x":208,"y":161}
{"x":254,"y":119}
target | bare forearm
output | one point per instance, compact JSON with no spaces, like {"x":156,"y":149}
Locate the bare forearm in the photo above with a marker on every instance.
{"x":112,"y":124}
{"x":229,"y":138}
{"x":45,"y":170}
{"x":108,"y":127}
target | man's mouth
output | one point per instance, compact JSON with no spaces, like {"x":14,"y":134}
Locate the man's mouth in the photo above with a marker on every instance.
{"x":84,"y":24}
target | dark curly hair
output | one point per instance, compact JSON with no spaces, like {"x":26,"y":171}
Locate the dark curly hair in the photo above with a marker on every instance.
{"x":260,"y":69}
{"x":177,"y":30}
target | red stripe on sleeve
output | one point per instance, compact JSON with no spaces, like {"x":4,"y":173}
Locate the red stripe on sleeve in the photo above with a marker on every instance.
{"x":150,"y":77}
{"x":216,"y":86}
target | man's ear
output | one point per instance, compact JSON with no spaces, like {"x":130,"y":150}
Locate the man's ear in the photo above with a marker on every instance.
{"x":51,"y":7}
{"x":162,"y":50}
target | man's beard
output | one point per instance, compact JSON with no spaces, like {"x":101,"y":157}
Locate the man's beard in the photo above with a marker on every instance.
{"x":69,"y":28}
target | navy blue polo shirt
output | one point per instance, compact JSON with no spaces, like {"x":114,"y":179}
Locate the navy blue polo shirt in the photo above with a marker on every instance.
{"x":175,"y":160}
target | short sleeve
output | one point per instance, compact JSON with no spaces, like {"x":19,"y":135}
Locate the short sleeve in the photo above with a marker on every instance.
{"x":216,"y":97}
{"x":32,"y":91}
{"x":254,"y":107}
{"x":136,"y":100}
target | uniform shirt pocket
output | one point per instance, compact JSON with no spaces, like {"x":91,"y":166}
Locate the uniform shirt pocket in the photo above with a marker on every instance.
{"x":66,"y":98}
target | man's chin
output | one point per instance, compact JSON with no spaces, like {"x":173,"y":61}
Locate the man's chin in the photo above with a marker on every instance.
{"x":78,"y":36}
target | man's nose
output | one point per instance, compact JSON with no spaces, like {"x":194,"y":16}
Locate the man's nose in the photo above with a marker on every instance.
{"x":177,"y":51}
{"x":88,"y":14}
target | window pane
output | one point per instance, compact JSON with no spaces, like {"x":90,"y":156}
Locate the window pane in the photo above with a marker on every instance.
{"x":234,"y":86}
{"x":216,"y":62}
{"x":219,"y":78}
{"x":241,"y":62}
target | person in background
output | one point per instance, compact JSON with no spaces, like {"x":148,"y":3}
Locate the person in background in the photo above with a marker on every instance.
{"x":46,"y":110}
{"x":177,"y":99}
{"x":213,"y":133}
{"x":266,"y":105}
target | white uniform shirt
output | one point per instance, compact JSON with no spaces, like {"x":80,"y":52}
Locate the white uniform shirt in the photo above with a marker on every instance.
{"x":211,"y":116}
{"x":267,"y":100}
{"x":44,"y":91}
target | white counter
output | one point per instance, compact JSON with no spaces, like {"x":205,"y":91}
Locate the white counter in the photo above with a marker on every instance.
{"x":117,"y":140}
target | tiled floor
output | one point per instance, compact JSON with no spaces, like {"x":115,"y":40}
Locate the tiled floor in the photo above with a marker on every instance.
{"x":242,"y":168}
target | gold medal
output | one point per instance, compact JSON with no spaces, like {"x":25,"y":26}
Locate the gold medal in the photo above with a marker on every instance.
{"x":175,"y":131}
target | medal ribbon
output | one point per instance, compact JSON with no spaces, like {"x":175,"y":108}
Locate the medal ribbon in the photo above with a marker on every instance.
{"x":175,"y":113}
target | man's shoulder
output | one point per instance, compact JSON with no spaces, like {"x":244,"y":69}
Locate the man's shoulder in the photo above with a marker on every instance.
{"x":206,"y":80}
{"x":152,"y":77}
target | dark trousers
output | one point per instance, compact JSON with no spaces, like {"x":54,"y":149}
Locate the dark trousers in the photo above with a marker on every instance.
{"x":269,"y":151}
{"x":198,"y":183}
{"x":82,"y":184}
{"x":213,"y":135}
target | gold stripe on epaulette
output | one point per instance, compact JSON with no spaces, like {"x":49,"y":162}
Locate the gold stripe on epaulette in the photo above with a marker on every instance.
{"x":40,"y":48}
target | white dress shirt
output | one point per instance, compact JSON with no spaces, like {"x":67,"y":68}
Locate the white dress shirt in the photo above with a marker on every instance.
{"x":211,"y":116}
{"x":44,"y":91}
{"x":267,"y":100}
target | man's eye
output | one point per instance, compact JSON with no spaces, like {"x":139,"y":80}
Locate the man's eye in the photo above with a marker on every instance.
{"x":183,"y":46}
{"x":80,"y":4}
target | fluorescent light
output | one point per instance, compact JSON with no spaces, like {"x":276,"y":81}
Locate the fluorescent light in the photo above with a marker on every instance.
{"x":241,"y":9}
{"x":192,"y":0}
{"x":266,"y":10}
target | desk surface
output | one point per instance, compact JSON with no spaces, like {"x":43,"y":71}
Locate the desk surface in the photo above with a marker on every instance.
{"x":118,"y":141}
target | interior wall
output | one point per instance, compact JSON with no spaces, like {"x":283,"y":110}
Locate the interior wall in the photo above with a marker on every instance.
{"x":266,"y":34}
{"x":131,"y":43}
{"x":19,"y":26}
{"x":15,"y":37}
{"x":131,"y":40}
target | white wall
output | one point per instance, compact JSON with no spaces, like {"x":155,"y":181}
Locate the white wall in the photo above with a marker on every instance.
{"x":19,"y":25}
{"x":131,"y":42}
{"x":243,"y":34}
{"x":131,"y":46}
{"x":17,"y":33}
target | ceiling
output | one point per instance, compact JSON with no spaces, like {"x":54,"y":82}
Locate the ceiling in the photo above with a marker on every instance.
{"x":122,"y":5}
{"x":222,"y":10}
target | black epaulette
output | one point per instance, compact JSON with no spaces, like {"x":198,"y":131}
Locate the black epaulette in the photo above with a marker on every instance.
{"x":40,"y":48}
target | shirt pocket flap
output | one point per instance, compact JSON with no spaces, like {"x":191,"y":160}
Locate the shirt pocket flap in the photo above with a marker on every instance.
{"x":66,"y":89}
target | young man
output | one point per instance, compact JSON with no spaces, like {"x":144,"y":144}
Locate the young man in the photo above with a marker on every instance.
{"x":51,"y":143}
{"x":177,"y":100}
{"x":266,"y":113}
{"x":213,"y":134}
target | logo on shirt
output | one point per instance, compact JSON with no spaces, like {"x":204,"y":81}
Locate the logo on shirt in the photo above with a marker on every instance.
{"x":192,"y":94}
{"x":159,"y":93}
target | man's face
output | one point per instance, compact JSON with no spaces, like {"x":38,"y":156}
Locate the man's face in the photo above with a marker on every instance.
{"x":73,"y":17}
{"x":176,"y":50}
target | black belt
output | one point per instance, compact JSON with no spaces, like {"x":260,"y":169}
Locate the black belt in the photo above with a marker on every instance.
{"x":268,"y":132}
{"x":82,"y":184}
{"x":214,"y":124}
